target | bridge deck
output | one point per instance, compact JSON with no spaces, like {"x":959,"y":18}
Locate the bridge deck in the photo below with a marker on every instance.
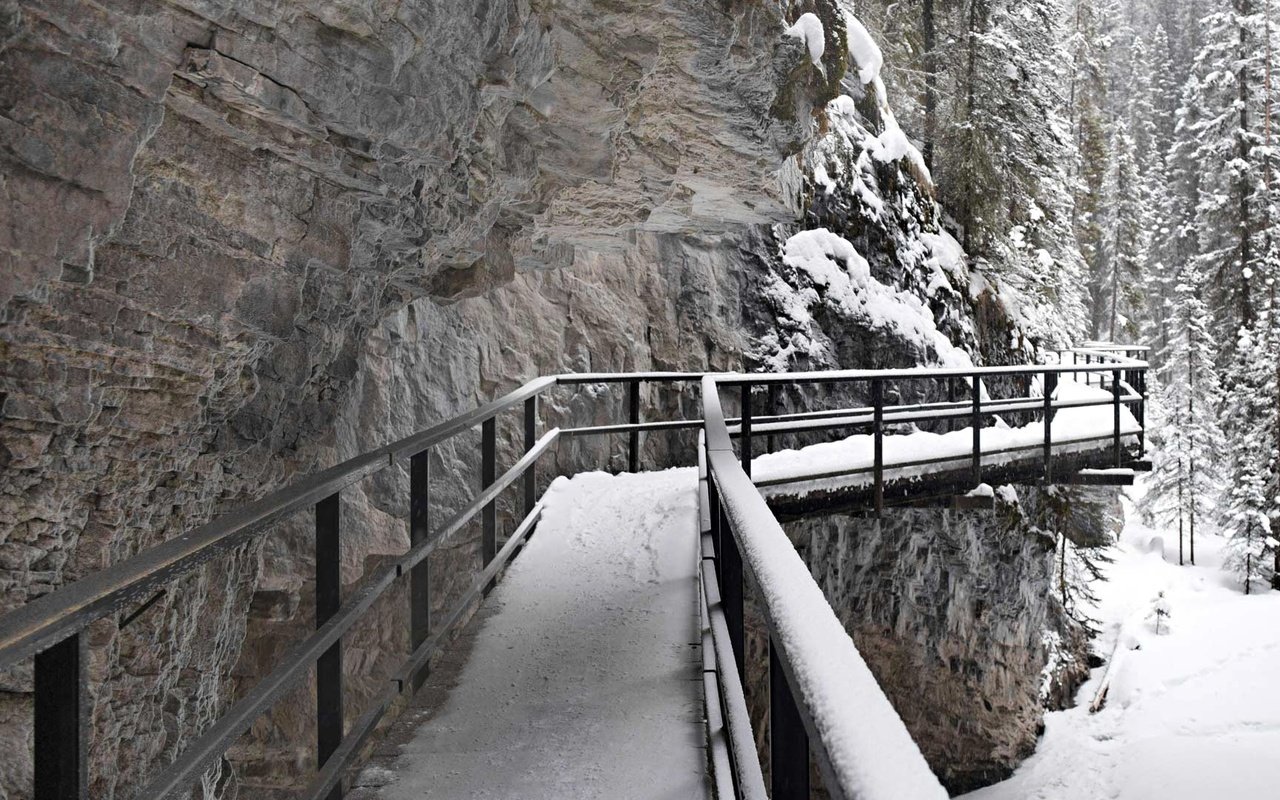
{"x":584,"y":680}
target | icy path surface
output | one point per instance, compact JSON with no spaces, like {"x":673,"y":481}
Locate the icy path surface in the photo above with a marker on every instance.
{"x":1193,"y":714}
{"x":584,"y":682}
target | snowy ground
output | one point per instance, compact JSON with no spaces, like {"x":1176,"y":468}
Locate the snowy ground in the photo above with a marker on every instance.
{"x":584,"y":679}
{"x":1194,"y":714}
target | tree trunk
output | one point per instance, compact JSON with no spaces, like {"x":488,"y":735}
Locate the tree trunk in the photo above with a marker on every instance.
{"x":1243,"y":7}
{"x":930,"y":81}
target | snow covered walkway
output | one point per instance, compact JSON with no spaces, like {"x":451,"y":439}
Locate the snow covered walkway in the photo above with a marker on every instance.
{"x":1192,"y":714}
{"x":585,"y":679}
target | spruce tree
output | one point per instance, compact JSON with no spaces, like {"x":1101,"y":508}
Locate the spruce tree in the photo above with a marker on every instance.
{"x":1188,"y":442}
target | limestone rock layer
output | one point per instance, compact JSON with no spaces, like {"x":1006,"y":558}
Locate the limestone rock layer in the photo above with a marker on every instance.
{"x":242,"y":240}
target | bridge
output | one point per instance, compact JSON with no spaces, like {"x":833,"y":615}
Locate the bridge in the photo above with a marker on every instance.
{"x":609,"y":656}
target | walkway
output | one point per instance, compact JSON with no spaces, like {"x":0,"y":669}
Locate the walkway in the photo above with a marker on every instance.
{"x":585,"y":679}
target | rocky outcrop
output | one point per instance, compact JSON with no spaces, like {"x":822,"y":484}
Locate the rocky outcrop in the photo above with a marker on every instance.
{"x":248,"y":239}
{"x":950,"y":611}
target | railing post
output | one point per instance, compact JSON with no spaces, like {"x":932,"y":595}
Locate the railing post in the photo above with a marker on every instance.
{"x":1115,"y":393}
{"x":489,"y":473}
{"x":633,"y":416}
{"x":772,"y":411}
{"x":877,"y":434}
{"x":420,"y":575}
{"x":745,"y":439}
{"x":1050,"y":385}
{"x":329,"y":666}
{"x":61,"y":729}
{"x":1141,"y":376}
{"x":713,"y":500}
{"x":530,"y":439}
{"x":731,"y":589}
{"x":977,"y":431}
{"x":788,"y":741}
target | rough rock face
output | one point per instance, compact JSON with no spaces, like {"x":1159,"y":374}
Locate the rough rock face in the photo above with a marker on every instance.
{"x":953,"y":611}
{"x":246,"y":239}
{"x":217,"y":215}
{"x":950,"y":611}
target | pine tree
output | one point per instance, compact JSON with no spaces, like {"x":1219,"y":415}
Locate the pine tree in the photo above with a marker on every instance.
{"x":1249,"y":409}
{"x":1228,"y":69}
{"x":1187,"y":439}
{"x":1005,"y":166}
{"x":1088,"y":100}
{"x":1127,"y":242}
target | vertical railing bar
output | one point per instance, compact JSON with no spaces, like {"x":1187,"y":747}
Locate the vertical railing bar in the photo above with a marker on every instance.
{"x":329,"y":728}
{"x":951,"y":394}
{"x":977,"y":431}
{"x":1115,"y":393}
{"x":61,"y":722}
{"x":713,"y":500}
{"x":489,"y":473}
{"x":788,"y":740}
{"x":745,"y":439}
{"x":731,"y":589}
{"x":633,"y":416}
{"x":530,"y":439}
{"x":769,"y":441}
{"x":1049,"y":386}
{"x":1142,"y":413}
{"x":877,"y":425}
{"x":420,"y":574}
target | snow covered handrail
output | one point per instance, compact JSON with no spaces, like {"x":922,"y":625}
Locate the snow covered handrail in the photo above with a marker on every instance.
{"x":823,"y":698}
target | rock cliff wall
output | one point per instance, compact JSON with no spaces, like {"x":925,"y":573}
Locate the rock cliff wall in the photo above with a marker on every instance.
{"x":245,"y":239}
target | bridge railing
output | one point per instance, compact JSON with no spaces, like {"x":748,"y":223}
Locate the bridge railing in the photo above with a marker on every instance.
{"x":51,"y":628}
{"x":816,"y":676}
{"x":1123,"y":379}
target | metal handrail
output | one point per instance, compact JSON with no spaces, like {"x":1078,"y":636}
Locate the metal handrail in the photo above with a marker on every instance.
{"x":922,"y":373}
{"x":745,"y":526}
{"x":51,"y":627}
{"x":747,"y":537}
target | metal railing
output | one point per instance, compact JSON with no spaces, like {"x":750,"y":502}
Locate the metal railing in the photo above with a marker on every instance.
{"x":51,"y":628}
{"x":741,"y":534}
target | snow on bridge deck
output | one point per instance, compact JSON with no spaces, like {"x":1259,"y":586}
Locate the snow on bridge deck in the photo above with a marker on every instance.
{"x":584,"y":680}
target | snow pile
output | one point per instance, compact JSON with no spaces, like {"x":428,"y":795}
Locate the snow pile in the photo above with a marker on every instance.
{"x":864,"y":50}
{"x":1073,"y":429}
{"x":808,"y":29}
{"x":829,"y":271}
{"x":867,"y":176}
{"x":1190,"y":714}
{"x":946,"y":260}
